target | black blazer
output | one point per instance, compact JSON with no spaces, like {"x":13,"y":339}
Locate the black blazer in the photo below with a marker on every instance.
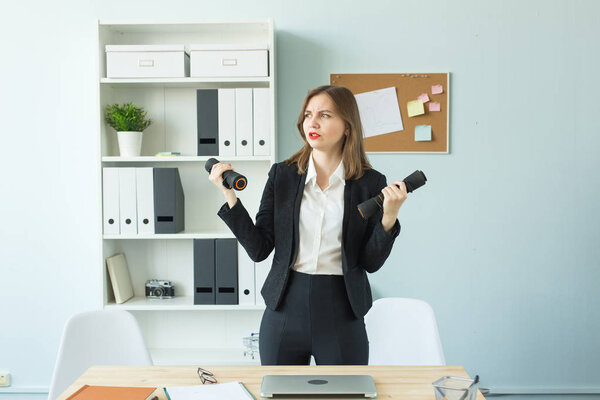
{"x":365,"y":244}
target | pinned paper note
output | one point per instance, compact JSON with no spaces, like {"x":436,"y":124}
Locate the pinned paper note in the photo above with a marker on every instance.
{"x":437,"y":89}
{"x":423,"y":133}
{"x":424,"y":98}
{"x":434,"y":106}
{"x":379,"y":112}
{"x":415,"y":107}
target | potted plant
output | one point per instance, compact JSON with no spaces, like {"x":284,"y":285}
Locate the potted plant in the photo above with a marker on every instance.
{"x":129,"y":121}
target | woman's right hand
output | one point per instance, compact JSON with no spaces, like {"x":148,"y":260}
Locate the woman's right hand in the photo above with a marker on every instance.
{"x":216,"y":175}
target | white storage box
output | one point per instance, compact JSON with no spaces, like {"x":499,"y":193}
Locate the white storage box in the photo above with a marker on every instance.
{"x":229,"y":60}
{"x":147,"y":61}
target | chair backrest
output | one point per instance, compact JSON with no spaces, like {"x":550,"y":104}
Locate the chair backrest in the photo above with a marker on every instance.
{"x":403,"y":332}
{"x":97,"y":338}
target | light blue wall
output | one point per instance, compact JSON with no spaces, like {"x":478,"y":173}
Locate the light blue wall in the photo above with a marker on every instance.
{"x":502,"y":241}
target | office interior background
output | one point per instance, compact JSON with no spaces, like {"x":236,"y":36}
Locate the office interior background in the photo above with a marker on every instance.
{"x":502,"y":242}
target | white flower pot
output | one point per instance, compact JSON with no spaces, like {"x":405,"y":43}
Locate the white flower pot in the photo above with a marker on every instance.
{"x":130,"y":144}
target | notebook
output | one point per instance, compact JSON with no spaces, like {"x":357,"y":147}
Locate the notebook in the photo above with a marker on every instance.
{"x":112,"y":392}
{"x":217,"y":391}
{"x":119,"y":277}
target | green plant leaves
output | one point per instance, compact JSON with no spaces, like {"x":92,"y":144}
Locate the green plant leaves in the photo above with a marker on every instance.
{"x":126,"y":117}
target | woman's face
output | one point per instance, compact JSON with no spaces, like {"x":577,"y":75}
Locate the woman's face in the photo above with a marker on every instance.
{"x":323,"y":127}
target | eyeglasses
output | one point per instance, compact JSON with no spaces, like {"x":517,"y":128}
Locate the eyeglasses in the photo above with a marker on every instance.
{"x":206,"y":376}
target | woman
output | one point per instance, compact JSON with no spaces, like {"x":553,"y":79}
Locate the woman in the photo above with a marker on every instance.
{"x":317,"y":291}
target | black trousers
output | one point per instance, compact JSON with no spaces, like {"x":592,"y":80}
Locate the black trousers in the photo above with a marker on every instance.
{"x":315,"y":318}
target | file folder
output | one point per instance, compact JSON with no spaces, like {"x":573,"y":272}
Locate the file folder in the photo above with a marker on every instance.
{"x":87,"y":392}
{"x":226,"y":122}
{"x":261,"y":122}
{"x":110,"y":201}
{"x":245,"y":277}
{"x":243,"y":122}
{"x":127,"y":201}
{"x":262,"y":270}
{"x":204,"y":271}
{"x":208,"y":121}
{"x":144,"y":179}
{"x":169,"y":201}
{"x":226,"y":271}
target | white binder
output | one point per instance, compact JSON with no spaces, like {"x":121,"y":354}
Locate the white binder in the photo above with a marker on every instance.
{"x":245,"y":278}
{"x":243,"y":122}
{"x":144,"y":180}
{"x":127,"y":201}
{"x":110,"y":201}
{"x":226,"y":105}
{"x":262,"y":126}
{"x":262,"y":270}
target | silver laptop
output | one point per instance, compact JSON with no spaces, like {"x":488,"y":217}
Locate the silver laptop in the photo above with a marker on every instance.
{"x":318,"y":386}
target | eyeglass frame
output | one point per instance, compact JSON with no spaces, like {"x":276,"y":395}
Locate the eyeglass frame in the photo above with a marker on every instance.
{"x":206,"y":376}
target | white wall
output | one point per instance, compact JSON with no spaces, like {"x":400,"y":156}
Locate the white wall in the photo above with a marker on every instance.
{"x":502,"y":241}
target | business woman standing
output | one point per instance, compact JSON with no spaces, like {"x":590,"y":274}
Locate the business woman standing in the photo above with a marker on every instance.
{"x":317,"y":291}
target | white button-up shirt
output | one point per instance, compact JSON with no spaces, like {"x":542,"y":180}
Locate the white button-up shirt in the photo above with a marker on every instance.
{"x":321,"y":216}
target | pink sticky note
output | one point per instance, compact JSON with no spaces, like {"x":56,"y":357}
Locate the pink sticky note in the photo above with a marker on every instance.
{"x":424,"y":98}
{"x":437,"y":89}
{"x":434,"y":106}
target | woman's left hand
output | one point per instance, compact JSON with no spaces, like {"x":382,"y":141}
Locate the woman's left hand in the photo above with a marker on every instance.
{"x":393,"y":197}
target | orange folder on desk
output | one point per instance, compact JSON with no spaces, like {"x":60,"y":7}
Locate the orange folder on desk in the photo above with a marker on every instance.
{"x":88,"y":392}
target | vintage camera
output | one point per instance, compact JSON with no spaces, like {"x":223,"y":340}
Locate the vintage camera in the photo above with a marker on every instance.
{"x":157,"y":289}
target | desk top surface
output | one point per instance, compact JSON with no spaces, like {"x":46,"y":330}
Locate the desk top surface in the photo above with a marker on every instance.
{"x":392,"y":382}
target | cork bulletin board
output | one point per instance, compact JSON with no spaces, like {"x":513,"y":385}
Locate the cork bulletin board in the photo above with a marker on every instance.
{"x":409,"y":86}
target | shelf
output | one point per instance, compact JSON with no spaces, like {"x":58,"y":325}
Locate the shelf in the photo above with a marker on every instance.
{"x":202,"y":357}
{"x":177,"y":331}
{"x":179,"y":159}
{"x":181,"y":235}
{"x":177,"y":303}
{"x":200,"y":83}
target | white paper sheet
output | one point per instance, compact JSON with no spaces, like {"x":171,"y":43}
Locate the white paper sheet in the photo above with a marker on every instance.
{"x":218,"y":391}
{"x":379,"y":112}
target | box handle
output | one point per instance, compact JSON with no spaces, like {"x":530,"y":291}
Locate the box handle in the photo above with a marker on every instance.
{"x":146,"y":63}
{"x":229,"y":62}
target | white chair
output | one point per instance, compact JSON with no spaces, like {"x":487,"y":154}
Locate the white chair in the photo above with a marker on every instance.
{"x":97,"y":338}
{"x":403,"y":332}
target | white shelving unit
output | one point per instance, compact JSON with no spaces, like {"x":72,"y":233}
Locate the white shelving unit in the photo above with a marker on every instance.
{"x":176,"y":330}
{"x":179,"y":159}
{"x":197,"y":83}
{"x":178,"y":303}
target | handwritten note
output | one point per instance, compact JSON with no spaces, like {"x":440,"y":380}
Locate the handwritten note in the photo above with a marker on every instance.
{"x":379,"y":112}
{"x":423,"y":97}
{"x":434,"y":106}
{"x":415,"y":108}
{"x":437,"y":89}
{"x":423,"y":133}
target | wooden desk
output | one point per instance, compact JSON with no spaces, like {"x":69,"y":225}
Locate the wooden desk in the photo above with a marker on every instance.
{"x":402,"y":383}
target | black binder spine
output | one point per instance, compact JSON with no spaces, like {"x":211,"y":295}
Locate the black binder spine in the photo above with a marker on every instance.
{"x":207,"y":106}
{"x":204,"y":271}
{"x":226,"y":264}
{"x":169,"y":201}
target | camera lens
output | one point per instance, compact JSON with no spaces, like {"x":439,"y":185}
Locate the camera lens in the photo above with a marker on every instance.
{"x":158,"y":292}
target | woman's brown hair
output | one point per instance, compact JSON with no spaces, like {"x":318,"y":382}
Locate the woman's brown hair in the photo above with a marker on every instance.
{"x":353,"y":150}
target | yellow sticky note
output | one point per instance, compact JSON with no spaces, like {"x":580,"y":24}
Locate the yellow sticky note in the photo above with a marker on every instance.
{"x":415,"y":108}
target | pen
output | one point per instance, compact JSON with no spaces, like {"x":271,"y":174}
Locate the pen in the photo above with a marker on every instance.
{"x":442,"y":393}
{"x":475,"y":382}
